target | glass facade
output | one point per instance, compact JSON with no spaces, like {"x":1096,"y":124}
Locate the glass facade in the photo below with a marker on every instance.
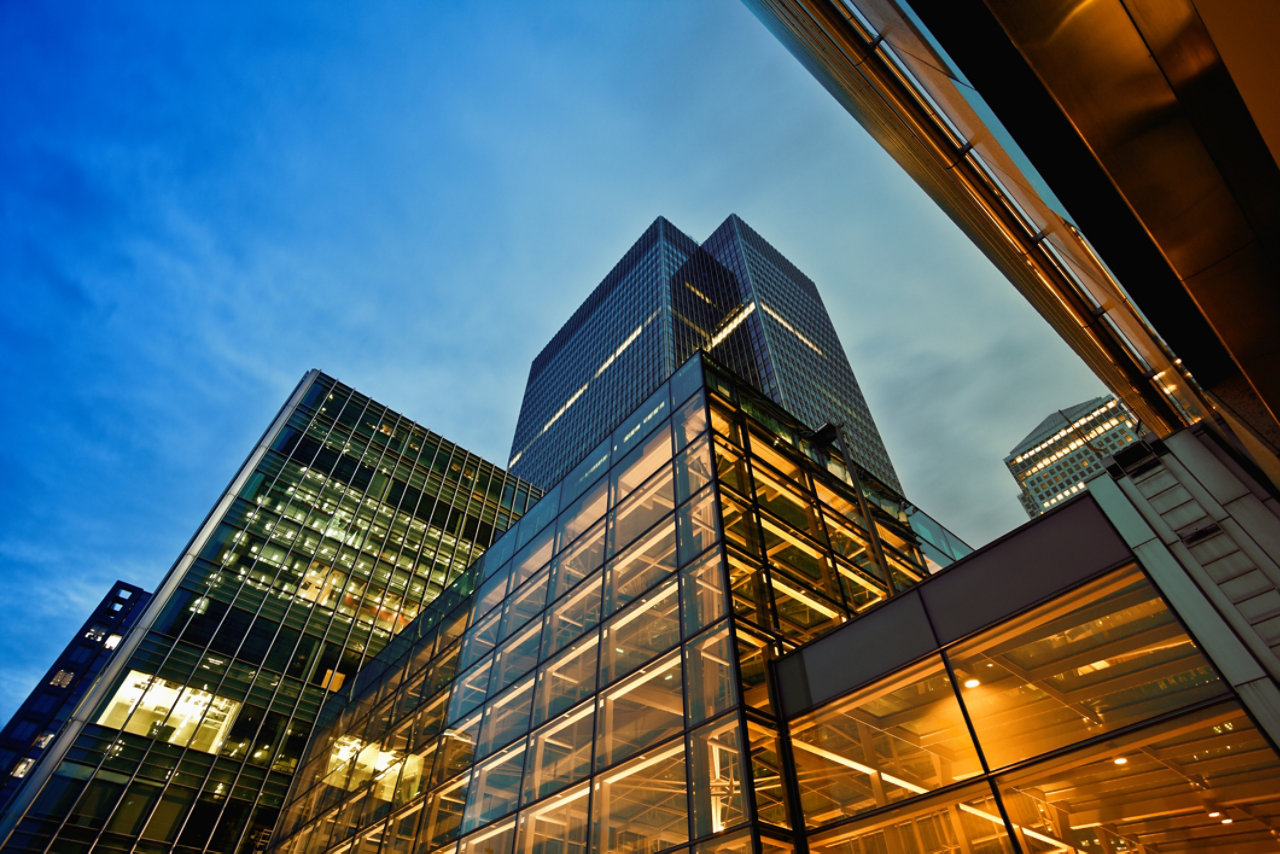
{"x":341,"y":527}
{"x":1091,"y":722}
{"x":1053,"y":461}
{"x":734,"y":297}
{"x":599,"y":680}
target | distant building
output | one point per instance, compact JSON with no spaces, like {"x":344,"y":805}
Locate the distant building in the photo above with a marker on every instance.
{"x":1053,"y":461}
{"x":345,"y":521}
{"x":734,"y":296}
{"x":33,"y":726}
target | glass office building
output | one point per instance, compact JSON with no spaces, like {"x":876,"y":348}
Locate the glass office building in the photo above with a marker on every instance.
{"x":734,"y":297}
{"x":33,"y":726}
{"x":600,"y":679}
{"x":707,"y":639}
{"x":344,"y":523}
{"x":1053,"y":461}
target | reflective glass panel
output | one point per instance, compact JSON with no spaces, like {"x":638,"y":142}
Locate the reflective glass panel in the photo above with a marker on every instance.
{"x":560,"y":753}
{"x":702,"y":592}
{"x":966,"y":820}
{"x":642,"y":565}
{"x":568,"y":618}
{"x":1106,"y":655}
{"x":642,"y":806}
{"x":711,"y":687}
{"x":642,"y":709}
{"x":895,"y":739}
{"x":649,"y":626}
{"x":556,"y":826}
{"x":567,"y":678}
{"x":1205,"y":781}
{"x":716,"y":777}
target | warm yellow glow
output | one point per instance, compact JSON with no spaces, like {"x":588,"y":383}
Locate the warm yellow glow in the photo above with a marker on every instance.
{"x":1121,"y":760}
{"x":971,"y":683}
{"x":183,"y":715}
{"x":787,"y":326}
{"x":733,"y":324}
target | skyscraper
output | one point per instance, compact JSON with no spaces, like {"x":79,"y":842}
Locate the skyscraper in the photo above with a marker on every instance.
{"x":737,"y":298}
{"x":344,"y":522}
{"x":1052,"y":462}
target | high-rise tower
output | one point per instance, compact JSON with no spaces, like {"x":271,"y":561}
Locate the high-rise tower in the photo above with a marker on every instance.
{"x":345,"y":521}
{"x":734,"y":296}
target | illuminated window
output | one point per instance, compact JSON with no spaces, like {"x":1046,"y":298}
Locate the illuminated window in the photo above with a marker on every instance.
{"x":62,"y":679}
{"x":21,"y":769}
{"x":157,"y":708}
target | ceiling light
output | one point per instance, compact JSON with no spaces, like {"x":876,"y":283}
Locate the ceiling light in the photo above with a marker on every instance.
{"x":971,"y":683}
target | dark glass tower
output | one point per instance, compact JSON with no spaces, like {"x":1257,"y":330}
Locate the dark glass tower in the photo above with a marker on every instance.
{"x":737,"y":298}
{"x":42,"y":714}
{"x":345,"y":521}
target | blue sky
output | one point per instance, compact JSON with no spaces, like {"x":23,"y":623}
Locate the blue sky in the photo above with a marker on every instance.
{"x":199,"y":202}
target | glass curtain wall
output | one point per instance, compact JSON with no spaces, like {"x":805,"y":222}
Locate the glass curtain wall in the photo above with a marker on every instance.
{"x":1091,"y":723}
{"x":350,"y":522}
{"x":598,"y":681}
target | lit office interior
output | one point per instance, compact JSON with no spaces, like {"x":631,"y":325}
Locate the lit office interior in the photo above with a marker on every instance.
{"x":599,"y":679}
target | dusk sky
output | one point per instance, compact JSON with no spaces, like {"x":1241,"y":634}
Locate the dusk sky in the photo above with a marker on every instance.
{"x":199,"y":202}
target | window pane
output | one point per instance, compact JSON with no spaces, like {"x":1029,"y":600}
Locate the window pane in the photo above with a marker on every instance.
{"x":710,"y":686}
{"x":967,"y":820}
{"x":649,"y":626}
{"x":571,"y":616}
{"x":495,"y":789}
{"x":567,"y":678}
{"x":515,"y":657}
{"x":649,"y":560}
{"x":636,"y":467}
{"x":558,"y":826}
{"x":897,"y":738}
{"x":702,"y":592}
{"x":525,"y":604}
{"x":641,"y":710}
{"x":766,"y":774}
{"x":579,"y":560}
{"x":584,"y":512}
{"x":641,"y":806}
{"x":506,"y":718}
{"x":496,"y":839}
{"x":559,"y":753}
{"x":689,"y":421}
{"x":693,"y":469}
{"x":1200,"y":782}
{"x":697,"y":526}
{"x":715,"y":772}
{"x":641,"y":510}
{"x":1101,"y":657}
